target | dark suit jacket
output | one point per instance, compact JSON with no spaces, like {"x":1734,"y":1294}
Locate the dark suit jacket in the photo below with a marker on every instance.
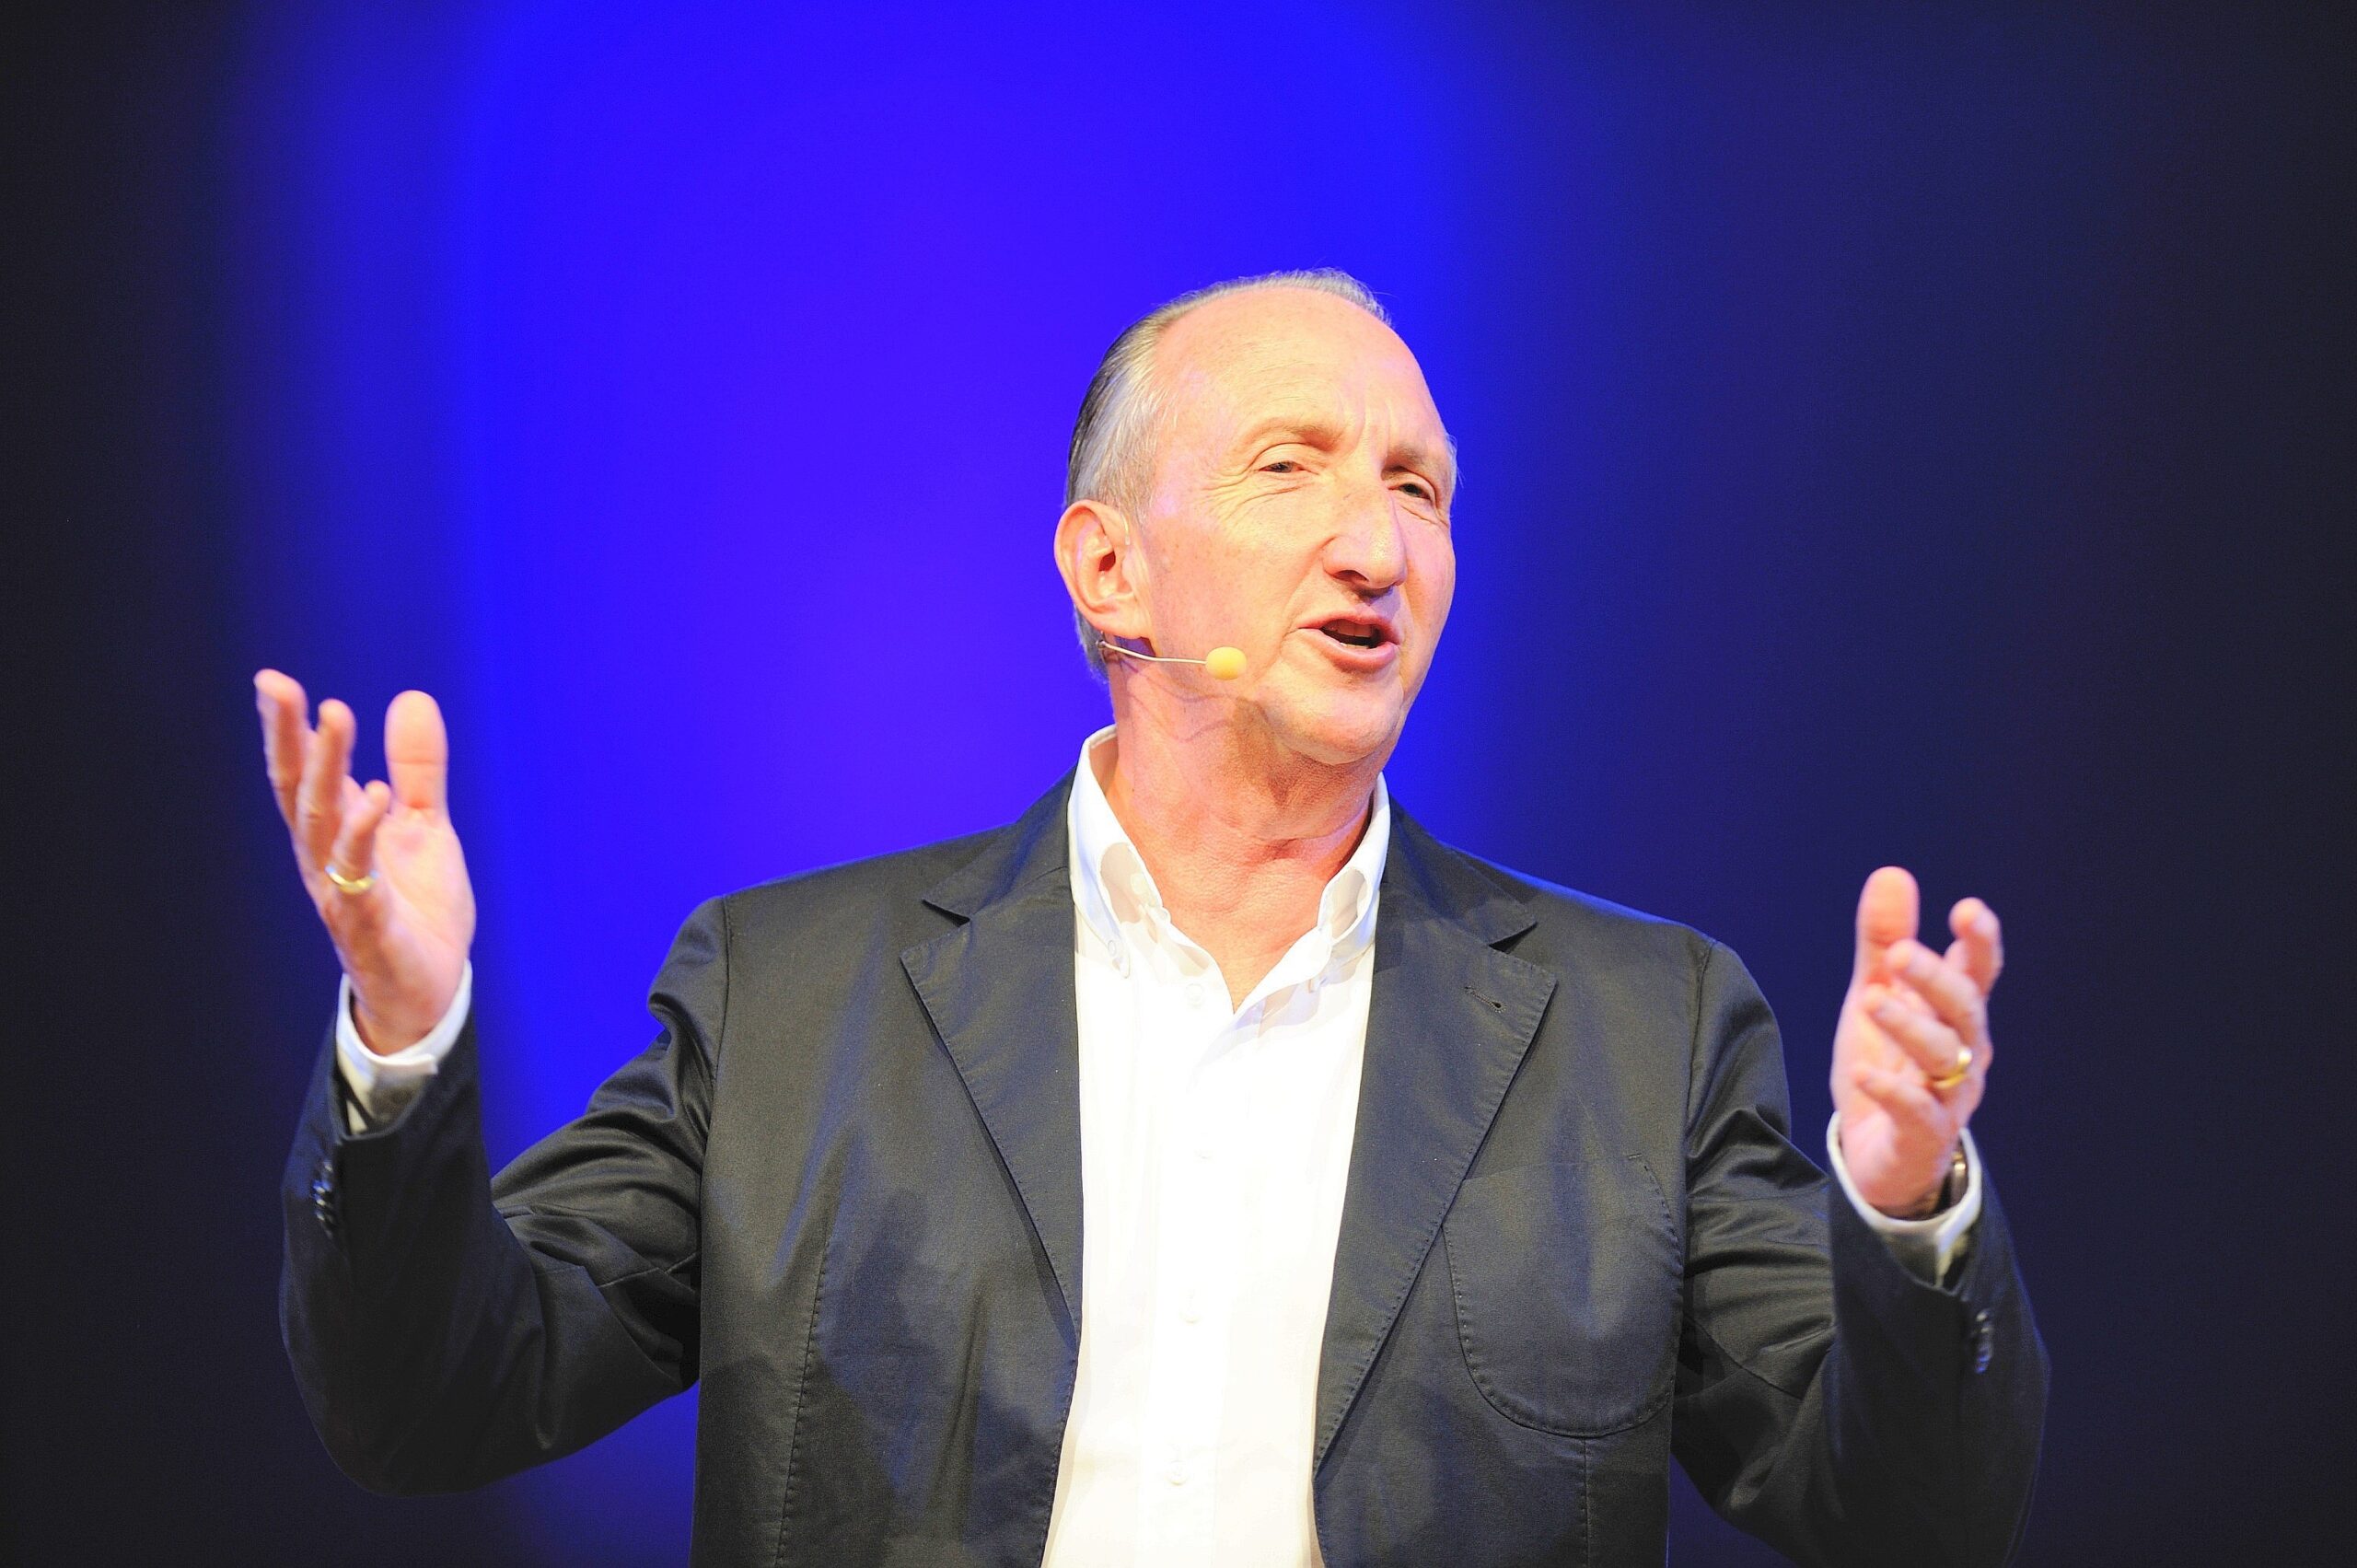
{"x":842,"y":1188}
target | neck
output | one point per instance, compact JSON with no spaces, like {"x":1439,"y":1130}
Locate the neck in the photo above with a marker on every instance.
{"x":1240,"y":834}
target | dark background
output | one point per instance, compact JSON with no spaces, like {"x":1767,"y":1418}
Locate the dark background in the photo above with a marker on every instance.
{"x":1909,"y":433}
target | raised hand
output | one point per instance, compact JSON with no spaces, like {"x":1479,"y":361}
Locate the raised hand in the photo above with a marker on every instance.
{"x":1912,"y":1052}
{"x":398,"y":905}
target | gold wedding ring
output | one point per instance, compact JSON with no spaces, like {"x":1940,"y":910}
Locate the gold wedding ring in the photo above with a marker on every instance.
{"x":361,"y":884}
{"x":1963,"y":1067}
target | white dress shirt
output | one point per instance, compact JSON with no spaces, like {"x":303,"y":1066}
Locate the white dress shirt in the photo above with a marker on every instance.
{"x":1215,"y":1145}
{"x":1218,"y":1141}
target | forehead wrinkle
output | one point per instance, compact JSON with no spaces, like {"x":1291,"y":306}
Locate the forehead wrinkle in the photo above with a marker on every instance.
{"x":1317,"y":429}
{"x":1212,"y":365}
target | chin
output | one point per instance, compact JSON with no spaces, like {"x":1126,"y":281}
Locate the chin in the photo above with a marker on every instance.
{"x":1339,"y":733}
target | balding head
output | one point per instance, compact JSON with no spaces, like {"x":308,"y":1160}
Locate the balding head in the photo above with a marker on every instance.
{"x":1116,"y":439}
{"x":1261,"y":465}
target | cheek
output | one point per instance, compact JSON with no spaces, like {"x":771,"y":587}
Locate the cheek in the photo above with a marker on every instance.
{"x":1202,"y":571}
{"x":1257,"y":573}
{"x":1433,"y":578}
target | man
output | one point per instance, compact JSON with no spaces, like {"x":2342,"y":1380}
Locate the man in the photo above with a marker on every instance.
{"x":1209,"y":1168}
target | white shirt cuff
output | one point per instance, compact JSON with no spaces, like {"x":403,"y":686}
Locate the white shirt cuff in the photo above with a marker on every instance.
{"x":1927,"y":1247}
{"x":381,"y":1086}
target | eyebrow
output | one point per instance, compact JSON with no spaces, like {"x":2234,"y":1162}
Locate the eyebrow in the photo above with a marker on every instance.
{"x":1317,"y":431}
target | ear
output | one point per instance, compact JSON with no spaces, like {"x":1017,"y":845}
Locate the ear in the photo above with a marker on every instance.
{"x":1104,"y":570}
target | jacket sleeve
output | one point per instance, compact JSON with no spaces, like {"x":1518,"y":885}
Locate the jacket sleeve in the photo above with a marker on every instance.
{"x":1829,"y":1400}
{"x":448,"y":1328}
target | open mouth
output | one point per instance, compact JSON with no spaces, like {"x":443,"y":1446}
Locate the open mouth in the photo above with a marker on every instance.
{"x":1357,"y":634}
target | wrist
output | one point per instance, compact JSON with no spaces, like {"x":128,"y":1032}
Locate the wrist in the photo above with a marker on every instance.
{"x":1943,"y":1194}
{"x":387,"y":1033}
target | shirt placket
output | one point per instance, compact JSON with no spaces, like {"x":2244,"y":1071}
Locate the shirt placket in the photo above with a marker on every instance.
{"x":1185,"y":1019}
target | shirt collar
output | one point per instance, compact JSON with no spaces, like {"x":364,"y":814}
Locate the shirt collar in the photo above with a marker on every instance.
{"x":1115,"y":892}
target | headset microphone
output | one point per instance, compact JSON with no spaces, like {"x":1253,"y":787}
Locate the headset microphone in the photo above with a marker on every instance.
{"x":1220,"y":664}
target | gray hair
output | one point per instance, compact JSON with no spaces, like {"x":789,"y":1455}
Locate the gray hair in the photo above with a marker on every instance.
{"x":1113,"y":439}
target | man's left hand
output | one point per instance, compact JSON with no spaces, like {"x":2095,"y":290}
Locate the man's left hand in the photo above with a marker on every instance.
{"x":1911,"y":1019}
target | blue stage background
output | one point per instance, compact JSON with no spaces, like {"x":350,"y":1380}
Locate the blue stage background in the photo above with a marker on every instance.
{"x":1889,"y":435}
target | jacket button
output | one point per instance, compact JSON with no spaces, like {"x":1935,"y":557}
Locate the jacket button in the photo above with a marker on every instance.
{"x":1984,"y":1341}
{"x":323,"y":1198}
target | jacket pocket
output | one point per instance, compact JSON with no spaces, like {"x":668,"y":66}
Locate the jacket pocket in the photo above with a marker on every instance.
{"x":1566,"y":1283}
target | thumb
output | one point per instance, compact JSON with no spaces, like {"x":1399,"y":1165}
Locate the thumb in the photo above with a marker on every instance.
{"x":417,"y":752}
{"x":1887,"y":911}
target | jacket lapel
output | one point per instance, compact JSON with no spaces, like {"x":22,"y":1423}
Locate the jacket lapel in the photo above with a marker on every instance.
{"x":1447,"y":1025}
{"x":999,"y":987}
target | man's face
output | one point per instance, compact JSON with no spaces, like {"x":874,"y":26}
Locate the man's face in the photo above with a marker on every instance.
{"x":1299,"y":511}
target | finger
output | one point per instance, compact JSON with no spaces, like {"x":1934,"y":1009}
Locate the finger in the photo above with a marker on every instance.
{"x":1932,"y":1045}
{"x":417,"y":752}
{"x":284,"y":735}
{"x":326,"y":769}
{"x":1953,"y":994}
{"x":1979,"y":946}
{"x":355,"y":842}
{"x":1904,"y":1097}
{"x":1887,"y":910}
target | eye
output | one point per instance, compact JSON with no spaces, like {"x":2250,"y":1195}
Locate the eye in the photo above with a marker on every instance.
{"x":1418,"y":487}
{"x":1282,"y":465}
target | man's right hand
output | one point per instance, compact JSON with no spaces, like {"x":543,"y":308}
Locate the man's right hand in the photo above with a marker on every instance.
{"x":403,"y":942}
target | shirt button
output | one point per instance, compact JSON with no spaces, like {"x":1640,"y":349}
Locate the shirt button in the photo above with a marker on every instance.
{"x":1177,"y":1473}
{"x":1194,"y":993}
{"x":1194,"y":1309}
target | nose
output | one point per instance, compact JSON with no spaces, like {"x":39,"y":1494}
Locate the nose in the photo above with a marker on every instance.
{"x":1368,"y":550}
